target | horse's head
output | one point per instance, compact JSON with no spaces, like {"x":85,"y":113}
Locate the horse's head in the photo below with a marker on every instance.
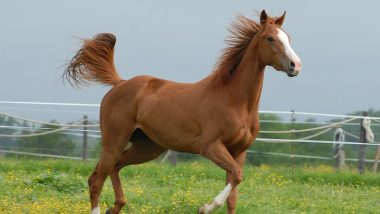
{"x":274,"y":47}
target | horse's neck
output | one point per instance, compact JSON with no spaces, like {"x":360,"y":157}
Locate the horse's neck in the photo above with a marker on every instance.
{"x":246,"y":86}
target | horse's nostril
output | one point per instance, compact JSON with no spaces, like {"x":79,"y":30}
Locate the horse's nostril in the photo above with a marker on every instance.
{"x":292,"y":65}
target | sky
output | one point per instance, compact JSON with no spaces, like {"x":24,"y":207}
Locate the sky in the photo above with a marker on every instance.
{"x":337,"y":41}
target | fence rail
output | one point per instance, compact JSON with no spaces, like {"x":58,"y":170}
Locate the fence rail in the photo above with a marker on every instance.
{"x":80,"y":128}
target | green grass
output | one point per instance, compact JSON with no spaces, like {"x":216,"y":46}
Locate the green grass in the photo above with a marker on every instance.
{"x":59,"y":186}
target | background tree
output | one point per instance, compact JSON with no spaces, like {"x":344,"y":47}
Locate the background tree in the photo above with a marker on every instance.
{"x":6,"y":124}
{"x":54,"y":143}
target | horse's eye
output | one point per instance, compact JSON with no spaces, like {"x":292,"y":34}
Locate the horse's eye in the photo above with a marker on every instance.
{"x":270,"y":39}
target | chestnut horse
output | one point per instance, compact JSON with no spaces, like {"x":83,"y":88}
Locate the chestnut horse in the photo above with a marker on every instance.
{"x":216,"y":117}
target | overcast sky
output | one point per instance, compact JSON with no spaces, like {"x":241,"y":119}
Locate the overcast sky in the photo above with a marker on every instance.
{"x":337,"y":41}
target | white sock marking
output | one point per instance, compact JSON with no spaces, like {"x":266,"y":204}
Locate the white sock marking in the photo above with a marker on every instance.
{"x":96,"y":210}
{"x":222,"y":197}
{"x":218,"y":200}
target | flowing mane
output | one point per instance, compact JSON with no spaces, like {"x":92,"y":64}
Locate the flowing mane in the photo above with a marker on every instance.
{"x":242,"y":30}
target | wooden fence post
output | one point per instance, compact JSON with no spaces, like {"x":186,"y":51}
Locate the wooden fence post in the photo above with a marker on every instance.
{"x":342,"y":159}
{"x":292,"y":159}
{"x":375,"y":164}
{"x":85,"y":138}
{"x":170,"y":156}
{"x":173,"y":157}
{"x":363,"y":139}
{"x":339,"y":154}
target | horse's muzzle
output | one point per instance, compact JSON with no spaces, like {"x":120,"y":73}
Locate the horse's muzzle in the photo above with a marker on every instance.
{"x":292,"y":75}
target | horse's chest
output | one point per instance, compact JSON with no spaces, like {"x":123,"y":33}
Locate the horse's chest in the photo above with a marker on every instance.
{"x":243,"y":135}
{"x":242,"y":138}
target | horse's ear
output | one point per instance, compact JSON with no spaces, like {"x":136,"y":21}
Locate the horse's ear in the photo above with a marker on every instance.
{"x":280,"y":20}
{"x":263,"y":17}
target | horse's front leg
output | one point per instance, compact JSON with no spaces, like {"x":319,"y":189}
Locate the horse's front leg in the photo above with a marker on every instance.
{"x":218,"y":153}
{"x":232,"y":198}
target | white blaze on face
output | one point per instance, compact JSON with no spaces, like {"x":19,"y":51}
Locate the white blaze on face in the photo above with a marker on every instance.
{"x":288,"y":49}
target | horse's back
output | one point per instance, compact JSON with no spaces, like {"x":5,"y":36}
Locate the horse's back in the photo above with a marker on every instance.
{"x":141,"y":96}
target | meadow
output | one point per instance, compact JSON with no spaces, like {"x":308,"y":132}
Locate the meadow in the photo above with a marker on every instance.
{"x":60,"y":186}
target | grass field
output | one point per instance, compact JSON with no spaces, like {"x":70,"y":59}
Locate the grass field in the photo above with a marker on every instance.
{"x":60,"y":186}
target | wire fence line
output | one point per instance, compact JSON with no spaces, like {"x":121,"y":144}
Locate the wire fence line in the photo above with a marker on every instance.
{"x":81,"y":135}
{"x":316,"y":134}
{"x":273,"y":140}
{"x":313,"y":122}
{"x":320,"y":114}
{"x":376,"y":120}
{"x":64,"y":126}
{"x":42,"y":133}
{"x":67,"y":126}
{"x":270,"y":154}
{"x":44,"y":128}
{"x":309,"y":129}
{"x":50,"y":103}
{"x":261,"y":111}
{"x":12,"y":148}
{"x":351,"y":135}
{"x":41,"y":155}
{"x":47,"y":123}
{"x":251,"y":153}
{"x":79,"y":124}
{"x":69,"y":130}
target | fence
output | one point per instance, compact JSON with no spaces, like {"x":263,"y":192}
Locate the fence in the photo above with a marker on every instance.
{"x":86,"y":133}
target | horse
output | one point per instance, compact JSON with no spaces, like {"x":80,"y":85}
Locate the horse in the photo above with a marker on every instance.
{"x":216,"y":117}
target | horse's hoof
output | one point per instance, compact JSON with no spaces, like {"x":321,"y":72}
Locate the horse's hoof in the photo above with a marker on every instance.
{"x":200,"y":210}
{"x":108,"y":211}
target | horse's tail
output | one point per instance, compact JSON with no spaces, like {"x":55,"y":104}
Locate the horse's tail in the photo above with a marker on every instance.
{"x":94,"y":62}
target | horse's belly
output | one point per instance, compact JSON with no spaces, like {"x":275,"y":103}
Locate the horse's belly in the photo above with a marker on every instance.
{"x":170,"y":122}
{"x":173,"y":138}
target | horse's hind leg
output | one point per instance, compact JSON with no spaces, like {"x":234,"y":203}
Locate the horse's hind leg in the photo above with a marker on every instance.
{"x":113,"y":144}
{"x":142,"y":150}
{"x":107,"y":160}
{"x":120,"y":201}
